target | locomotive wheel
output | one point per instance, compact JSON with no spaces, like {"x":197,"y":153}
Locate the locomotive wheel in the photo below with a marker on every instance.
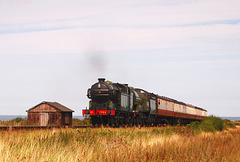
{"x":111,"y":122}
{"x":138,"y":122}
{"x":141,"y":122}
{"x":135,"y":121}
{"x":108,"y":121}
{"x":93,"y":121}
{"x":131,"y":123}
{"x":122,"y":122}
{"x":117,"y":122}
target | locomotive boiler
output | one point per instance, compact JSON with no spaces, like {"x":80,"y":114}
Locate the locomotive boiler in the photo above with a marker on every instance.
{"x":116,"y":104}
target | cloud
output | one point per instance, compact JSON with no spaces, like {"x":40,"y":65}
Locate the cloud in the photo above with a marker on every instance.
{"x":193,"y":46}
{"x":198,"y":38}
{"x":59,"y":27}
{"x":57,"y":15}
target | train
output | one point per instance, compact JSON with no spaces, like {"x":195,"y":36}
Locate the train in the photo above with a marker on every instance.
{"x":116,"y":104}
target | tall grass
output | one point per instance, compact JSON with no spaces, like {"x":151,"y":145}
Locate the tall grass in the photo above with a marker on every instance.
{"x":130,"y":144}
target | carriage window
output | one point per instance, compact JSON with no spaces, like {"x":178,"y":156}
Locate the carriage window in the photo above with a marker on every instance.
{"x":163,"y":106}
{"x":184,"y":109}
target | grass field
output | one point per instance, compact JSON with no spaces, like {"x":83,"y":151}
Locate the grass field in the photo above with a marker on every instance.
{"x":120,"y":144}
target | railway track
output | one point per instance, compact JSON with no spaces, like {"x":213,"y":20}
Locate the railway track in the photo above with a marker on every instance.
{"x":16,"y":128}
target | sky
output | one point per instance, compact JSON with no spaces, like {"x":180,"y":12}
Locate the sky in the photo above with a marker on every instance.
{"x":54,"y":50}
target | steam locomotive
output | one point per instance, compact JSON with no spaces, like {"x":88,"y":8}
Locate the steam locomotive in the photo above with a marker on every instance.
{"x":116,"y":104}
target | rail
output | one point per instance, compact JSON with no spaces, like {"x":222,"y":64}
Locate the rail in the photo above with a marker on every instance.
{"x":15,"y":128}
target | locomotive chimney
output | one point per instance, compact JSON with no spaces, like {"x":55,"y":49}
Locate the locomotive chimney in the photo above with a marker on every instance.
{"x":101,"y":79}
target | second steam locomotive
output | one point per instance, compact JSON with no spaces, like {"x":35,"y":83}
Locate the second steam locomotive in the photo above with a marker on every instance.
{"x":116,"y":104}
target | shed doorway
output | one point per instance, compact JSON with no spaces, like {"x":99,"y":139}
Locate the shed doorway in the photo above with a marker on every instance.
{"x":44,"y":119}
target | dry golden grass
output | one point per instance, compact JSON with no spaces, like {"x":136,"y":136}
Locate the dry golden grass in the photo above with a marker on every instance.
{"x":131,"y":144}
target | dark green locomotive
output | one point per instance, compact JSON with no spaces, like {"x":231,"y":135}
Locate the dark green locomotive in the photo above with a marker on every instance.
{"x":116,"y":104}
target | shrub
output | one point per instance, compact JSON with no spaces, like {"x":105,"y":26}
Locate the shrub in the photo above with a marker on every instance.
{"x":18,"y":120}
{"x":83,"y":122}
{"x":211,"y":124}
{"x":194,"y":125}
{"x":236,"y":123}
{"x":228,"y":124}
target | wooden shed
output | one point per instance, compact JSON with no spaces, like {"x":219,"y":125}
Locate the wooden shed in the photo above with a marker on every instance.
{"x":50,"y":114}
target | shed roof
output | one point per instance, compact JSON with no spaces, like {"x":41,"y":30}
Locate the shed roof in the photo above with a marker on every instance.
{"x":55,"y":105}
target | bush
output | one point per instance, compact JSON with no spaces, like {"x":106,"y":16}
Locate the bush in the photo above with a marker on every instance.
{"x":194,"y":125}
{"x":211,"y":124}
{"x":236,"y":123}
{"x":18,"y":120}
{"x":84,"y":122}
{"x":228,"y":124}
